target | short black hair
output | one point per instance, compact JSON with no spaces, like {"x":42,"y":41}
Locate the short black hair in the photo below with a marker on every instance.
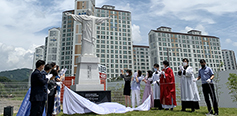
{"x":139,"y":73}
{"x":150,"y":73}
{"x":166,"y":63}
{"x":47,"y":67}
{"x":156,"y":65}
{"x":39,"y":63}
{"x":54,"y":72}
{"x":202,"y":61}
{"x":129,"y":71}
{"x":52,"y":64}
{"x":57,"y":67}
{"x":185,"y":59}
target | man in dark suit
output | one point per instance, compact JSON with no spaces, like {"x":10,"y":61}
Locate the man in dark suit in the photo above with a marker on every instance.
{"x":38,"y":93}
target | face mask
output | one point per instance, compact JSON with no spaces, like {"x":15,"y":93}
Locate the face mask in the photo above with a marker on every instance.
{"x":126,"y":74}
{"x":55,"y":68}
{"x":185,"y":63}
{"x":155,"y":69}
{"x":163,"y":66}
{"x":203,"y":66}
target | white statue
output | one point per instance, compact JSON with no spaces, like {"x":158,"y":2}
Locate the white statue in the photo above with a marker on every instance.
{"x":88,"y":30}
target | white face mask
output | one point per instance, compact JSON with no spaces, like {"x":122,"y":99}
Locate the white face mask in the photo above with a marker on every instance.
{"x":55,"y":68}
{"x":163,"y":66}
{"x":185,"y":63}
{"x":126,"y":74}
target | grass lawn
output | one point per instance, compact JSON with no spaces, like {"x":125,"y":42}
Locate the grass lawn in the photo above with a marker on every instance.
{"x":176,"y":112}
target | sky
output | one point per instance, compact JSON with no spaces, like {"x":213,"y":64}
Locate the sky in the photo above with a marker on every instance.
{"x":24,"y":24}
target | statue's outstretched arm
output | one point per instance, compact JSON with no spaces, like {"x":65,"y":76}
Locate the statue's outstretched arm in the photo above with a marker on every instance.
{"x":75,"y":17}
{"x":101,"y":19}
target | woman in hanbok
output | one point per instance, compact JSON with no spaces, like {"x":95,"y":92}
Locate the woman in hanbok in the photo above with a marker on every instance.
{"x":189,"y":91}
{"x":148,"y":90}
{"x":127,"y":87}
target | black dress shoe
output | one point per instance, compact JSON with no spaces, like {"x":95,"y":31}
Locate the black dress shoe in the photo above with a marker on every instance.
{"x":193,"y":110}
{"x":166,"y":108}
{"x":171,"y":109}
{"x":216,"y":114}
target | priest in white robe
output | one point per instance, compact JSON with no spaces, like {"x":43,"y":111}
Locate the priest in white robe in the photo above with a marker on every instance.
{"x":156,"y":87}
{"x":189,"y":92}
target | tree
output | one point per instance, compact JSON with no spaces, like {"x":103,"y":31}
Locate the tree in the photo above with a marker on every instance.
{"x":232,"y":80}
{"x":4,"y":79}
{"x":217,"y":80}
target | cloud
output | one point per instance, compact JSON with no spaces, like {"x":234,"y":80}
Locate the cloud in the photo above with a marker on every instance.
{"x":15,"y":57}
{"x":231,"y":42}
{"x":199,"y":10}
{"x":23,"y":21}
{"x":198,"y":27}
{"x":235,"y":44}
{"x":228,"y":41}
{"x":136,"y":34}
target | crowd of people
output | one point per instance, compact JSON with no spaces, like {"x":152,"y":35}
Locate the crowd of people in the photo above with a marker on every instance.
{"x":47,"y":79}
{"x":45,"y":89}
{"x":163,"y":93}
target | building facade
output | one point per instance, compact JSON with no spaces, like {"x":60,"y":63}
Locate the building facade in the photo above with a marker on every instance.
{"x":38,"y":55}
{"x":52,"y":46}
{"x":173,"y":47}
{"x":66,"y":55}
{"x":229,"y":59}
{"x":114,"y":38}
{"x":141,"y":58}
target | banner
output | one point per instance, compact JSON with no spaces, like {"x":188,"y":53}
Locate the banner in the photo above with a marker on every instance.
{"x":24,"y":110}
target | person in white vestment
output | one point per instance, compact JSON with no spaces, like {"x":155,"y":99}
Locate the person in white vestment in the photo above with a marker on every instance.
{"x":156,"y":87}
{"x":189,"y":92}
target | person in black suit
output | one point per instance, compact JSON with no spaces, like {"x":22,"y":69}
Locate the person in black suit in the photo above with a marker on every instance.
{"x":52,"y":88}
{"x":45,"y":72}
{"x":38,"y":93}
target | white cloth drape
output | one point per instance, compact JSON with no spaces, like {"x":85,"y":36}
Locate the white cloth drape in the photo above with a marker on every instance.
{"x":76,"y":104}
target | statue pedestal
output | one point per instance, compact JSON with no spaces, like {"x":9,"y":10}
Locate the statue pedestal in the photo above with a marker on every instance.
{"x":87,"y":76}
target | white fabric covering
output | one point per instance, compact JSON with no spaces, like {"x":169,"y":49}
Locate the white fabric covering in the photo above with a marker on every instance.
{"x":76,"y":104}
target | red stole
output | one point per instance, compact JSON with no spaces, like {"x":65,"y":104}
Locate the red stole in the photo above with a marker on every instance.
{"x":167,"y":87}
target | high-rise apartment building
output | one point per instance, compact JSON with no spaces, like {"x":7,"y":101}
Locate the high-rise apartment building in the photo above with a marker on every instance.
{"x":141,"y":58}
{"x":66,"y":55}
{"x":229,"y":59}
{"x":192,"y":45}
{"x":114,"y":38}
{"x":52,"y":46}
{"x":38,"y":55}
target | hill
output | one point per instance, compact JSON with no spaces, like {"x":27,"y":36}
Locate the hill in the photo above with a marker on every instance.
{"x":17,"y":75}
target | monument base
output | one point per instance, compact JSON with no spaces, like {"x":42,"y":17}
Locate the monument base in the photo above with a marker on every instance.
{"x":94,"y":87}
{"x":96,"y":96}
{"x":87,"y":76}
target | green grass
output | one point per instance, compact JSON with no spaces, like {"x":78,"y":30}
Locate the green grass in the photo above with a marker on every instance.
{"x":176,"y":112}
